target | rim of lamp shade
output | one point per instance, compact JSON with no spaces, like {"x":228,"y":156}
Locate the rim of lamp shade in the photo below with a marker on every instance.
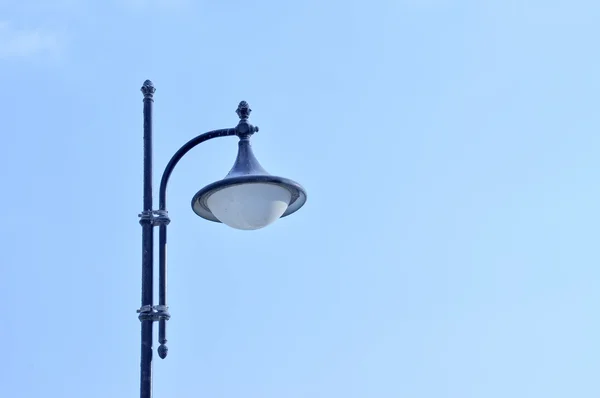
{"x":199,"y":200}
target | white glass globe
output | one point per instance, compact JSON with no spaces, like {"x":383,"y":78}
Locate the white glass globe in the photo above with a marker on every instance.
{"x":249,"y":206}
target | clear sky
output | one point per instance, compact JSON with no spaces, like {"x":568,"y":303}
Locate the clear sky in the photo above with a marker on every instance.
{"x":448,"y":248}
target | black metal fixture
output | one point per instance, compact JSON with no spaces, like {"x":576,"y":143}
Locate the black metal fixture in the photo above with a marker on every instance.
{"x":247,"y":198}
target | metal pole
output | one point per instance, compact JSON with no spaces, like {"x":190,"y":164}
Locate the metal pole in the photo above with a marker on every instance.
{"x":149,"y":219}
{"x":147,"y":248}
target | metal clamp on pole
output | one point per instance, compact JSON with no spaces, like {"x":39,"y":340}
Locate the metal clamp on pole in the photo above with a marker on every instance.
{"x":154,"y":313}
{"x":154,"y":217}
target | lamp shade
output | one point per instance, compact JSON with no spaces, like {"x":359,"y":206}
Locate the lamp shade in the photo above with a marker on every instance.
{"x":248,"y":197}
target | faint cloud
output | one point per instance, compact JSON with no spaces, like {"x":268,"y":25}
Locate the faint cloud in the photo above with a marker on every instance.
{"x":17,"y":43}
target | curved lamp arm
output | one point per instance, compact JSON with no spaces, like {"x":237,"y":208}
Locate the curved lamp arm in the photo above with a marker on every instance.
{"x":243,"y":129}
{"x":162,"y":219}
{"x":162,"y":193}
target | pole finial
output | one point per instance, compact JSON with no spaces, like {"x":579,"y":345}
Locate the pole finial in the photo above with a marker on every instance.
{"x":148,"y":89}
{"x":243,"y":110}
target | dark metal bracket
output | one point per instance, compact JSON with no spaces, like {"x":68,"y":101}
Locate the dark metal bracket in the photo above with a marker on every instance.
{"x":154,"y":313}
{"x":154,"y":217}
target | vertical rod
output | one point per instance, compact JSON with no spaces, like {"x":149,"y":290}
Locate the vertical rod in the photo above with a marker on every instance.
{"x":162,"y":288}
{"x":147,"y":246}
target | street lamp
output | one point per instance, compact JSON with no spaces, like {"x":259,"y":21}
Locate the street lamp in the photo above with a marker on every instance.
{"x":247,"y":198}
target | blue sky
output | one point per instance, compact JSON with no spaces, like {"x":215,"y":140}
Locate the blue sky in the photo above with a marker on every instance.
{"x":449,"y":244}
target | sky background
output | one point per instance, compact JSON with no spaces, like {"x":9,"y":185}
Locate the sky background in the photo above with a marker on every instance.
{"x":449,"y":245}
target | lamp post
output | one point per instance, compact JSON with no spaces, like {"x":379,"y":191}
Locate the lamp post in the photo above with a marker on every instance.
{"x":247,"y":198}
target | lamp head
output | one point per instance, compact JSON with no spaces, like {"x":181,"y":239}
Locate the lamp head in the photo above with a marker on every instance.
{"x":248,"y":197}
